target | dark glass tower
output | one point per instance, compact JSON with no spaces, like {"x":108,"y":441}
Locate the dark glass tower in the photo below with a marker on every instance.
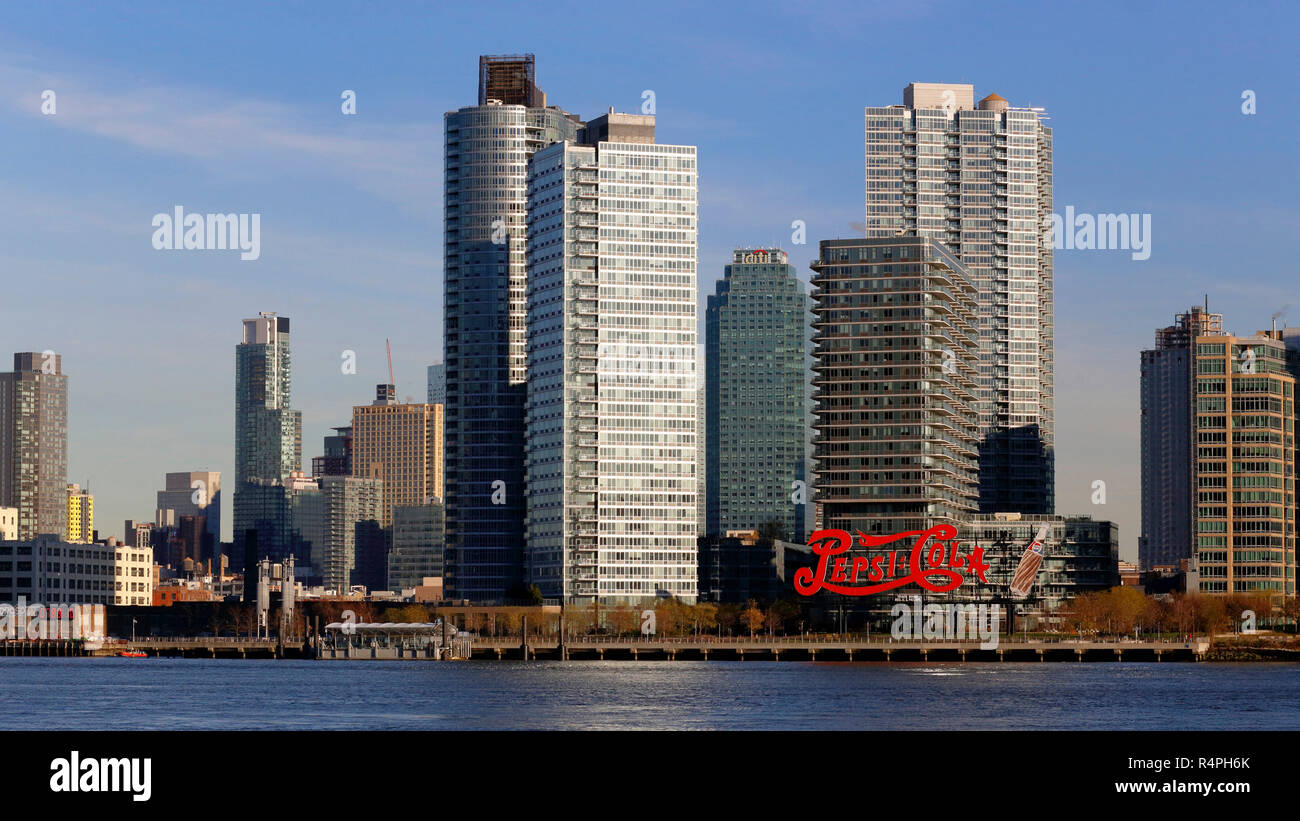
{"x":268,"y":434}
{"x":485,"y":313}
{"x":757,"y":326}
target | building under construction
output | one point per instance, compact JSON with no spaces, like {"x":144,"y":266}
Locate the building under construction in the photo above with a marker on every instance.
{"x":509,"y":79}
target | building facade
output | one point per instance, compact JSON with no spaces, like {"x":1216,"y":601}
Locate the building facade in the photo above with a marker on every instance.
{"x":756,"y":330}
{"x":895,"y":366}
{"x":34,"y":443}
{"x":401,"y":445}
{"x":337,"y":459}
{"x":740,"y":565}
{"x":8,"y":524}
{"x":268,"y":433}
{"x":612,"y":470}
{"x":978,"y":178}
{"x":195,"y":493}
{"x":353,"y":539}
{"x":437,"y":385}
{"x":1243,"y":428}
{"x":287,"y":518}
{"x":50,"y":571}
{"x":1166,"y":431}
{"x":81,"y":515}
{"x":485,"y":318}
{"x":1080,"y":556}
{"x":418,"y":542}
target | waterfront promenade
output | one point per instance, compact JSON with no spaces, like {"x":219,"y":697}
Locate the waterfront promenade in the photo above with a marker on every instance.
{"x":595,"y":648}
{"x":838,"y":649}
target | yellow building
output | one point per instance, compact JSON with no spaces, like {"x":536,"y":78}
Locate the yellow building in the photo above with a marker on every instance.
{"x":402,"y":445}
{"x":1245,"y":457}
{"x":81,"y":515}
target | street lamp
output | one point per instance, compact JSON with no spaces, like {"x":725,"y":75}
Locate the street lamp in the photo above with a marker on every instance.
{"x":133,"y":631}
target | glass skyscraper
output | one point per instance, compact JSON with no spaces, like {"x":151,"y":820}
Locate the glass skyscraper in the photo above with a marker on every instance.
{"x":756,"y":330}
{"x":485,"y":348}
{"x":978,"y":178}
{"x":268,"y":434}
{"x":612,"y":381}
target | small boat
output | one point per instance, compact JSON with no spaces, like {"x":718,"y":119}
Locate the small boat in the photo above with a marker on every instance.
{"x":133,"y":654}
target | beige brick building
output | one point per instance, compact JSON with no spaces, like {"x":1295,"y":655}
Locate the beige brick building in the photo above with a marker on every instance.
{"x":402,"y":445}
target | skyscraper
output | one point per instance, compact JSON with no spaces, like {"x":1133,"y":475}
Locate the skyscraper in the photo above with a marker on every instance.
{"x":1167,"y":448}
{"x":1243,"y":428}
{"x":268,"y":434}
{"x":612,"y":379}
{"x":485,"y":317}
{"x":400,"y":445}
{"x":897,"y":350}
{"x":34,"y":443}
{"x":353,"y":544}
{"x":978,"y":178}
{"x":756,"y":327}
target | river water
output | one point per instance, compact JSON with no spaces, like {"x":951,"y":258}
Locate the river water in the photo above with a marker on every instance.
{"x":202,"y":694}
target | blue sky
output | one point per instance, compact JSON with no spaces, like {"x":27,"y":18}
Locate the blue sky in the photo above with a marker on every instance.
{"x":236,"y":108}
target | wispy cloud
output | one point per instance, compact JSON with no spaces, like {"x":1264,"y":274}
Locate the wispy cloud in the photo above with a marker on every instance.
{"x":234,"y":136}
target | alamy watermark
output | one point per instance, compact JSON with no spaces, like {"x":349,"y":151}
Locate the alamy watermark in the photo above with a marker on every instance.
{"x":39,"y":622}
{"x":1099,"y":232}
{"x":946,"y":622}
{"x":179,"y":231}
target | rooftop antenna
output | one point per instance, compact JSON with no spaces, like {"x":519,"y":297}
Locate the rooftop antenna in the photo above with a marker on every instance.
{"x":389,"y":346}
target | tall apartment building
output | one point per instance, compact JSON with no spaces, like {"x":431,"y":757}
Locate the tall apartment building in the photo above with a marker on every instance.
{"x":1166,"y":430}
{"x":612,"y":380}
{"x":268,"y":433}
{"x":353,"y":541}
{"x":81,"y":515}
{"x":485,"y":318}
{"x":34,"y":443}
{"x":978,"y":178}
{"x":756,"y":331}
{"x":401,"y":445}
{"x":897,"y":355}
{"x":195,"y":493}
{"x":1244,"y":472}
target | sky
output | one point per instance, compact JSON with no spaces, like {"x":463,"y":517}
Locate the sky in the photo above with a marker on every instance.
{"x":236,"y":107}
